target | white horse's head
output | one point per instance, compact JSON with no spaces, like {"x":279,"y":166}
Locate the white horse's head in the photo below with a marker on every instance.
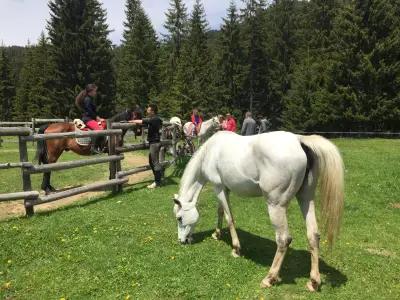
{"x":187,"y":216}
{"x":176,"y":121}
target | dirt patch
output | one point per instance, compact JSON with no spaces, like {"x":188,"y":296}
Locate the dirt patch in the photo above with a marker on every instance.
{"x":132,"y":161}
{"x":14,"y":209}
{"x":380,"y":252}
{"x":396,"y":205}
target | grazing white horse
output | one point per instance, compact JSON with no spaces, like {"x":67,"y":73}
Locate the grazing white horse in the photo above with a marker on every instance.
{"x":206,"y":130}
{"x":278,"y":166}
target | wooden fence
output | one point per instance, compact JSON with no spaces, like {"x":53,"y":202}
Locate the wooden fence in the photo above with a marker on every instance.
{"x":115,"y":155}
{"x":35,"y":122}
{"x":32,"y":198}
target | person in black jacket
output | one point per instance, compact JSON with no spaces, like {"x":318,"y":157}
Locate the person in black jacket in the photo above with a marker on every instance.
{"x":85,"y":102}
{"x":154,"y":123}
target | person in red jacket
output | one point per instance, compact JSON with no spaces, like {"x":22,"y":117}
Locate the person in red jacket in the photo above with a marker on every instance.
{"x":230,"y":123}
{"x":196,"y":120}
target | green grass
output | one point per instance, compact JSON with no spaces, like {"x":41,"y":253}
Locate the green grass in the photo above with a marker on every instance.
{"x":126,"y":245}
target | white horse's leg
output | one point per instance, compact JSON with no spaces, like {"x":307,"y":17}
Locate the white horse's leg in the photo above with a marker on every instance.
{"x":217,"y":234}
{"x":306,"y":202}
{"x":223,"y":198}
{"x":278,"y":218}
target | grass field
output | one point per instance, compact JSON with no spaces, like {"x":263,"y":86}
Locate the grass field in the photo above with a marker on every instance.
{"x":125,"y":247}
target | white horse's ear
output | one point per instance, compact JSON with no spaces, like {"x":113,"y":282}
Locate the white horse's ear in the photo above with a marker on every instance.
{"x":177,"y":202}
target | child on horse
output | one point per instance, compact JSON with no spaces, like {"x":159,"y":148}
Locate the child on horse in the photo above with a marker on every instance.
{"x":196,"y":120}
{"x":85,"y":102}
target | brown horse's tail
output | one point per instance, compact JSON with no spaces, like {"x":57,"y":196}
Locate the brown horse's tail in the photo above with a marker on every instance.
{"x":41,"y":151}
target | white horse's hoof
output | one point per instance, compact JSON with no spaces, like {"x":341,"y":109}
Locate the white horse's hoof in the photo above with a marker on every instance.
{"x":265,"y":284}
{"x":268,"y":282}
{"x":312,"y":286}
{"x":235,"y":253}
{"x":216,"y":236}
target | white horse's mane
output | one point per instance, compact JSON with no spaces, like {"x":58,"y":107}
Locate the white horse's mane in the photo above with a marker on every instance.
{"x":193,"y":170}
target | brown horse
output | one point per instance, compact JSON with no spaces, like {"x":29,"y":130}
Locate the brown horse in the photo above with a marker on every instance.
{"x":49,"y":151}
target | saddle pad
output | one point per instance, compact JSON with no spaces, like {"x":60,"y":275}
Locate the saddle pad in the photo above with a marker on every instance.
{"x":84,"y":141}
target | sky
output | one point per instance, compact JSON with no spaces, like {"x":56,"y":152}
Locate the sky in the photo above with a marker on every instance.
{"x":23,"y":20}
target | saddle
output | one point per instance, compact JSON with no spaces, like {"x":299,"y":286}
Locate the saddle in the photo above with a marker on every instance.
{"x":79,"y":127}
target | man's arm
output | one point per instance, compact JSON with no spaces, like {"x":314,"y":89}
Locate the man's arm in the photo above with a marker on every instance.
{"x":138,"y":122}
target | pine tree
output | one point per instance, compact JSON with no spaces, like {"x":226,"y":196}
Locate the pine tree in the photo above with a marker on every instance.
{"x":34,"y":95}
{"x":284,"y":40}
{"x":22,"y":100}
{"x":41,"y":104}
{"x":383,"y":26}
{"x":7,"y":89}
{"x":170,"y":54}
{"x":176,"y":26}
{"x":193,"y":79}
{"x":138,"y":77}
{"x":347,"y":95}
{"x":257,"y":59}
{"x":82,"y":53}
{"x":308,"y":95}
{"x":230,"y":69}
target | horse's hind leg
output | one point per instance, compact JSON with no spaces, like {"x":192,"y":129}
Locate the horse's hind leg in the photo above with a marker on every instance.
{"x":217,"y":234}
{"x":223,"y":198}
{"x":52,"y":157}
{"x":278,"y":218}
{"x":306,"y":202}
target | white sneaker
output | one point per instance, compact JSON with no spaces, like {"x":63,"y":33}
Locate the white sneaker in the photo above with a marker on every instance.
{"x":152,"y":186}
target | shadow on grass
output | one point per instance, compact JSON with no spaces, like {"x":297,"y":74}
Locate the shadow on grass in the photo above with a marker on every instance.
{"x":262,"y":251}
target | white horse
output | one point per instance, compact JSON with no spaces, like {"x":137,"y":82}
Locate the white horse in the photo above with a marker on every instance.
{"x":278,"y":166}
{"x":207,"y":129}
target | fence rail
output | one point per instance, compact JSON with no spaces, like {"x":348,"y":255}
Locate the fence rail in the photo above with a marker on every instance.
{"x":116,"y":179}
{"x":80,"y":190}
{"x":75,"y":134}
{"x":19,"y":196}
{"x":15,"y":165}
{"x":15,"y":124}
{"x":15,"y":131}
{"x":72,"y":164}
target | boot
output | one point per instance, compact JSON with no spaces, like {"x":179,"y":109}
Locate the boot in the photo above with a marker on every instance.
{"x":158,"y":177}
{"x":94,"y":146}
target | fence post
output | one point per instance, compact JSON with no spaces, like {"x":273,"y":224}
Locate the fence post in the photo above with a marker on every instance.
{"x":174,"y":142}
{"x":143,"y":134}
{"x":163,"y":148}
{"x":115,"y":166}
{"x":33,"y":126}
{"x":26,"y":177}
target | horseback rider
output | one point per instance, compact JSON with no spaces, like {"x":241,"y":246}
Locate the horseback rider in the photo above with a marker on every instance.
{"x":154,"y":123}
{"x":85,"y":102}
{"x":196,"y":120}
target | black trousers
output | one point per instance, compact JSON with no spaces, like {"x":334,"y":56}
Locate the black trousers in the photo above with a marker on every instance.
{"x":154,"y":161}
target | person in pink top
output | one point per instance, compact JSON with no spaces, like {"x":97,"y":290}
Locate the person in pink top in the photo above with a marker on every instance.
{"x":230,"y":123}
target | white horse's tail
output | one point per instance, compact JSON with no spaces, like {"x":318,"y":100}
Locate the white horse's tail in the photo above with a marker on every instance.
{"x":331,"y":173}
